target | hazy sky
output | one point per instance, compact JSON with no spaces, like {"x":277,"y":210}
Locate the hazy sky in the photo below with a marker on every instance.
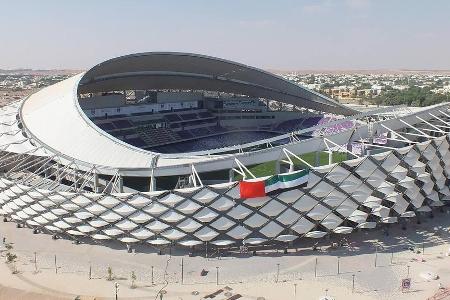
{"x":281,"y":34}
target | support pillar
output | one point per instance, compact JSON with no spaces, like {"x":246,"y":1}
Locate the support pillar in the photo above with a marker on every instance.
{"x":96,"y":187}
{"x":47,"y":172}
{"x":350,"y":149}
{"x":277,"y":167}
{"x":75,"y":180}
{"x":58,"y":174}
{"x":330,"y":157}
{"x":120,"y":183}
{"x":231,"y":175}
{"x":317,"y":163}
{"x":152,"y":184}
{"x":291,"y":168}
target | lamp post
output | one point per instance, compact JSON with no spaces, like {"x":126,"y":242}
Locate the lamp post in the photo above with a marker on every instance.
{"x":353,"y":283}
{"x":116,"y":286}
{"x":315,"y":269}
{"x":182,"y":271}
{"x":278,"y":272}
{"x":376,"y":255}
{"x":217,"y":275}
{"x":338,"y":264}
{"x":35,"y":262}
{"x":153,"y":282}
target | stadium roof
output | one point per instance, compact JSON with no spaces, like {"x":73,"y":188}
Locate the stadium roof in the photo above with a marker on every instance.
{"x":171,"y":70}
{"x":53,"y":118}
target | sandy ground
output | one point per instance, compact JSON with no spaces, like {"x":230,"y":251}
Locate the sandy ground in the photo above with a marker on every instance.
{"x":251,"y":277}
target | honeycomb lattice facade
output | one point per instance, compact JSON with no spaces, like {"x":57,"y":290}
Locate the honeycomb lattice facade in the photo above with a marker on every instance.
{"x":338,"y":198}
{"x":60,"y":173}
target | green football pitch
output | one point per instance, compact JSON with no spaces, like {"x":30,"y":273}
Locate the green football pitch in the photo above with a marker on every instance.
{"x":268,"y":168}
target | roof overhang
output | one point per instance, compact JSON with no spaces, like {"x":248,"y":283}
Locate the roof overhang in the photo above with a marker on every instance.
{"x":172,"y":70}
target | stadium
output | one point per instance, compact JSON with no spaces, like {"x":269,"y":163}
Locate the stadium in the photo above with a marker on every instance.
{"x":195,"y":151}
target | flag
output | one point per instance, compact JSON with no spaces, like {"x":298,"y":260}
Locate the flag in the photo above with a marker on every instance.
{"x":252,"y":189}
{"x":261,"y":186}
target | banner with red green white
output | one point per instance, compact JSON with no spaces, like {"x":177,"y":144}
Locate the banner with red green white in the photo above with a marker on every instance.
{"x":260,"y":187}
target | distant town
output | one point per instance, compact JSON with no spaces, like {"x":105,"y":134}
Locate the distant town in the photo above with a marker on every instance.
{"x":413,"y":89}
{"x":16,"y":84}
{"x":363,"y":88}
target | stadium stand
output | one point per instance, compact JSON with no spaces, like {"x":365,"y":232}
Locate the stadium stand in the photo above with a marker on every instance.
{"x":290,"y":125}
{"x":137,"y":141}
{"x":187,"y":117}
{"x":335,"y":128}
{"x":119,"y":124}
{"x":309,"y":122}
{"x":218,"y":141}
{"x":196,"y":130}
{"x":106,"y":126}
{"x":205,"y":114}
{"x":185,"y":135}
{"x":172,"y":117}
{"x":157,"y":136}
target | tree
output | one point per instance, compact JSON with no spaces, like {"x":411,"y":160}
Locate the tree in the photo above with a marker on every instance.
{"x":110,"y":274}
{"x":11,"y":259}
{"x":414,"y":96}
{"x":133,"y":280}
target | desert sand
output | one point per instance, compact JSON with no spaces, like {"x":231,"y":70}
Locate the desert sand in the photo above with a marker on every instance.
{"x":269,"y":275}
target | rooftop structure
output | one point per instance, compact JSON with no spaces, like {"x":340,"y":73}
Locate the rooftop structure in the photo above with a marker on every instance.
{"x":68,"y":168}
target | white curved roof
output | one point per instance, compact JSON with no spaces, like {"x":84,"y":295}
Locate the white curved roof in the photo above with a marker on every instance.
{"x":53,"y":117}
